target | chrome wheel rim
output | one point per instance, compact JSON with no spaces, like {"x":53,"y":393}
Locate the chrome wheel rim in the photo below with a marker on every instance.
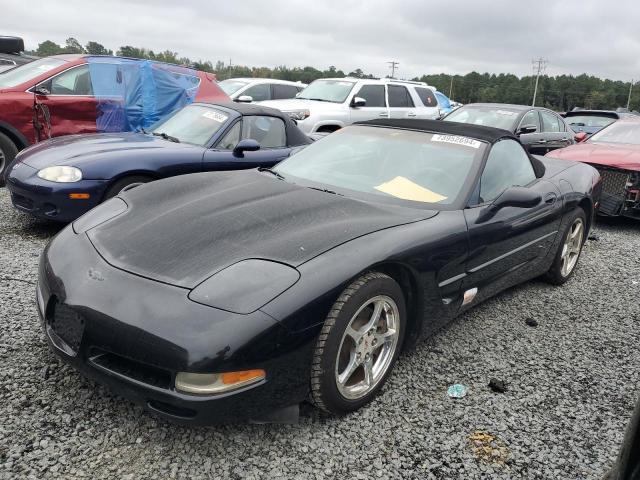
{"x":367,"y":347}
{"x":571,"y":247}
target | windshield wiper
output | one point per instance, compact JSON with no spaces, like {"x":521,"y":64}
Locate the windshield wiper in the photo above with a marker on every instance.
{"x":166,"y":137}
{"x":315,"y":99}
{"x":272,"y":172}
{"x":326,"y":190}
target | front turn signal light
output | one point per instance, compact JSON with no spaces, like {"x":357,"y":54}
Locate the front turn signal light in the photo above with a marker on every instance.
{"x":214,"y":383}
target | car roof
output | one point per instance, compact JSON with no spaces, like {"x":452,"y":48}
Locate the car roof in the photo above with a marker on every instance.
{"x":247,"y":108}
{"x":511,"y":106}
{"x":264,"y":80}
{"x":479,"y":132}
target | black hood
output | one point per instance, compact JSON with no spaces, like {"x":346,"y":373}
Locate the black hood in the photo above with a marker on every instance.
{"x":183,"y":229}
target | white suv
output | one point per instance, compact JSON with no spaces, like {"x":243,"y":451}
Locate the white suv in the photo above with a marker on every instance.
{"x":259,"y":89}
{"x":328,"y":104}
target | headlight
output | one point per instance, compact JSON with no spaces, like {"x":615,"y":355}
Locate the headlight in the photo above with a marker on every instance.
{"x":245,"y":286}
{"x":61,"y":174}
{"x":298,"y":114}
{"x":212,"y":383}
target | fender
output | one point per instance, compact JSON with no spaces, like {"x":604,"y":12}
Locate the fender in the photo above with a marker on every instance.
{"x":18,"y":138}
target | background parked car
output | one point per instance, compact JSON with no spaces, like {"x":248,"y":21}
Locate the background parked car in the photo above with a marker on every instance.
{"x":328,"y":104}
{"x":260,"y":89}
{"x":592,"y":121}
{"x":11,"y":53}
{"x":540,"y":130}
{"x":615,"y":152}
{"x":63,"y":178}
{"x":87,"y":94}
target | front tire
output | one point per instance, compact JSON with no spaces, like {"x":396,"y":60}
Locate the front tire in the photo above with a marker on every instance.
{"x":8,"y":152}
{"x":569,"y":250}
{"x":359,"y":344}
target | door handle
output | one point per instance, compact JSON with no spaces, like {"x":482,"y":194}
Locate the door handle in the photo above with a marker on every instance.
{"x":541,"y":141}
{"x":383,"y":115}
{"x":411,"y":115}
{"x":564,"y":139}
{"x":550,"y":198}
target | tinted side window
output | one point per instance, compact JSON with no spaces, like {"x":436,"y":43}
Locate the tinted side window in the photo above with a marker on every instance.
{"x":530,"y":118}
{"x":507,"y":165}
{"x":258,"y":92}
{"x":267,"y":131}
{"x":427,"y":97}
{"x":399,"y":96}
{"x":550,"y":122}
{"x":231,"y":138}
{"x":76,"y":81}
{"x":373,"y":94}
{"x":283,"y":91}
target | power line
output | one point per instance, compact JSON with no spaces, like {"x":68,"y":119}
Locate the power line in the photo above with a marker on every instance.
{"x":539,"y":66}
{"x":392,"y":66}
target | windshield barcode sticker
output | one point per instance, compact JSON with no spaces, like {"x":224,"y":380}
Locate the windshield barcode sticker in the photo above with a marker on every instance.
{"x":218,"y":117}
{"x":466,"y":141}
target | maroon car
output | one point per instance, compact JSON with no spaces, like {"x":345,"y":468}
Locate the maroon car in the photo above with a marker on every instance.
{"x":615,"y":152}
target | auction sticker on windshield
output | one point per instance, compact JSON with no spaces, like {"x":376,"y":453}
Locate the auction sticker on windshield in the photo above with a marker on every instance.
{"x":217,"y":116}
{"x":466,"y":141}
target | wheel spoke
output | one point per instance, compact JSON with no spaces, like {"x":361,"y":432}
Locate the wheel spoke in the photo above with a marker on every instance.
{"x":383,"y":338}
{"x":375,"y":316}
{"x":368,"y":372}
{"x":354,"y":334}
{"x":348,"y":371}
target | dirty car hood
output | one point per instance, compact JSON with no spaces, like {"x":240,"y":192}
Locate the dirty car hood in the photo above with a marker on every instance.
{"x":616,"y":155}
{"x":182,"y":230}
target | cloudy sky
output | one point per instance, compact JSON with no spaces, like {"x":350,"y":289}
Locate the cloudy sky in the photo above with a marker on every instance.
{"x":586,"y":36}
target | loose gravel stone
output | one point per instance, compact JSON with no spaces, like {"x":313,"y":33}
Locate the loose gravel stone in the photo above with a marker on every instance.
{"x":573,"y":382}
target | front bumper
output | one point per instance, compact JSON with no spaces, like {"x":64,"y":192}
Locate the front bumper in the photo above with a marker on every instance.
{"x":50,"y":200}
{"x":134,"y":334}
{"x":620,"y":192}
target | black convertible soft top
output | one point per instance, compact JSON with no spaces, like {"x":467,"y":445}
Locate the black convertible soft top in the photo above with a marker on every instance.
{"x":295,"y":136}
{"x":479,"y":132}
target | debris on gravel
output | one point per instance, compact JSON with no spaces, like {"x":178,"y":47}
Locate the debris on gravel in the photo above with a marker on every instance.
{"x":497,"y":385}
{"x":532,"y":322}
{"x":573,"y":382}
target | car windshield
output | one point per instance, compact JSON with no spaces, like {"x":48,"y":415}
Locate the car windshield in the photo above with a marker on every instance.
{"x":618,"y":132}
{"x":232,"y":86}
{"x":494,"y":116}
{"x":389,"y":163}
{"x":28,"y":71}
{"x":194,"y":124}
{"x":335,"y":91}
{"x":589,"y":120}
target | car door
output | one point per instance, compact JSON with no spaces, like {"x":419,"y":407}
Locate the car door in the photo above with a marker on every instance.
{"x":400,"y":103}
{"x":554,"y":131}
{"x":506,"y":247}
{"x":280,"y":91}
{"x":268,"y":131}
{"x":533,"y":141}
{"x":70,"y":101}
{"x":376,"y":103}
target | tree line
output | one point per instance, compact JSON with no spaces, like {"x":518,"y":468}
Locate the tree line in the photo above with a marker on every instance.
{"x":561,"y":92}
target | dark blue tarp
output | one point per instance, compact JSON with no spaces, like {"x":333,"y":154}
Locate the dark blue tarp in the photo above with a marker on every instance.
{"x":134,"y":94}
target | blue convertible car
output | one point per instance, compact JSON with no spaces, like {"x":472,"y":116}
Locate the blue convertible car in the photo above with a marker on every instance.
{"x":62,"y":178}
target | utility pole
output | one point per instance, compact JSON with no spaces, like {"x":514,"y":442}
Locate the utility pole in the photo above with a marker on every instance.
{"x":451,"y":87}
{"x":392,"y":66}
{"x":629,"y":98}
{"x":539,"y":66}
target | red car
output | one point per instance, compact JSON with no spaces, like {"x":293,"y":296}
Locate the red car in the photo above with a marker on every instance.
{"x":68,"y":94}
{"x":615,"y":152}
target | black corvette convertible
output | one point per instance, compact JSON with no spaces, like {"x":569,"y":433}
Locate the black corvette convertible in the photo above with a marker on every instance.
{"x":224,"y":296}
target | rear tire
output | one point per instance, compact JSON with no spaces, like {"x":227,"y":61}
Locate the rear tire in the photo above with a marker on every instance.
{"x":569,"y":250}
{"x":359,"y":344}
{"x":117,"y":187}
{"x":8,"y":151}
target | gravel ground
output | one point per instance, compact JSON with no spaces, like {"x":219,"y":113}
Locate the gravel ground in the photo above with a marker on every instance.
{"x":571,"y":382}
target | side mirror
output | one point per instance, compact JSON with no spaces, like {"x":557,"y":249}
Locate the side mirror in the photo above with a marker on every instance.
{"x":244,"y":99}
{"x":358,"y":102}
{"x":40,"y":90}
{"x":520,"y":197}
{"x":246,"y":145}
{"x":527,"y":129}
{"x":580,"y":137}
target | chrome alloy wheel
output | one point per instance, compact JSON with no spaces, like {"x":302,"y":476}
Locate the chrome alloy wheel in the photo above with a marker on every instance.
{"x":367,"y":347}
{"x":571,"y":247}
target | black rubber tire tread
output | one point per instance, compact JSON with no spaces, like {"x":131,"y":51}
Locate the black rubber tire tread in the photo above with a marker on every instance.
{"x":318,"y":396}
{"x":115,"y":189}
{"x":553,"y":275}
{"x":10,"y":150}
